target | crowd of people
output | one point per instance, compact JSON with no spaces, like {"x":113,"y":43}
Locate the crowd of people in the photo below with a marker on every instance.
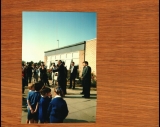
{"x":40,"y":104}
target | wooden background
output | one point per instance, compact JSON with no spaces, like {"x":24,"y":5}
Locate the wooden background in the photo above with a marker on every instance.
{"x":127,"y":60}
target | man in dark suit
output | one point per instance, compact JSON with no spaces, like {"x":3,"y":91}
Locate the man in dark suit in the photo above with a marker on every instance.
{"x":86,"y":79}
{"x":73,"y":75}
{"x":66,"y":74}
{"x":84,"y":67}
{"x":29,"y":72}
{"x":61,"y":75}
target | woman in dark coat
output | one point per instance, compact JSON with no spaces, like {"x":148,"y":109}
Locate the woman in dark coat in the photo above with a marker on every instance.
{"x":43,"y":75}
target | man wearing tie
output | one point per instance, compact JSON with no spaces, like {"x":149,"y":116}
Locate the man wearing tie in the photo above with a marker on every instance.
{"x":84,"y":69}
{"x":73,"y":75}
{"x":86,"y":80}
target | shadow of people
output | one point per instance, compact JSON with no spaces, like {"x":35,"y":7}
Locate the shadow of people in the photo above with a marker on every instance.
{"x":74,"y":121}
{"x":80,"y":97}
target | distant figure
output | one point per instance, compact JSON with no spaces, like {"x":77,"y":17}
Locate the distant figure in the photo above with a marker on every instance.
{"x":84,"y":69}
{"x":23,"y":79}
{"x":65,"y":71}
{"x":86,"y":79}
{"x":26,"y":74}
{"x":53,"y":67}
{"x":35,"y":73}
{"x":57,"y":110}
{"x":73,"y":75}
{"x":44,"y":76}
{"x":61,"y":75}
{"x":29,"y":72}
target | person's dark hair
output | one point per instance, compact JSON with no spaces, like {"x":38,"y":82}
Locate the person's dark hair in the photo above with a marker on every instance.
{"x":29,"y":64}
{"x":59,"y":91}
{"x":38,"y":86}
{"x":63,"y":63}
{"x":48,"y":89}
{"x":44,"y":91}
{"x":86,"y":62}
{"x":73,"y":62}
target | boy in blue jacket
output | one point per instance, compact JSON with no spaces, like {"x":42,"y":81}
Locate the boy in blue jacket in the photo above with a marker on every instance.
{"x":57,"y":110}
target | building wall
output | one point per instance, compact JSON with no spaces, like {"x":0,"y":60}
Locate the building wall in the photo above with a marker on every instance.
{"x":90,"y":54}
{"x":81,"y":59}
{"x":45,"y":60}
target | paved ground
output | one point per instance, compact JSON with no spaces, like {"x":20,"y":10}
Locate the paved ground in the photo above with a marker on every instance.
{"x":81,"y":110}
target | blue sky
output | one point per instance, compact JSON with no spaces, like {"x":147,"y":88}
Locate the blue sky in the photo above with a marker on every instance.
{"x":41,"y":30}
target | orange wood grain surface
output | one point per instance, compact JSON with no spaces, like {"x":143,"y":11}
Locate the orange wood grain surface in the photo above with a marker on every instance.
{"x":127,"y":60}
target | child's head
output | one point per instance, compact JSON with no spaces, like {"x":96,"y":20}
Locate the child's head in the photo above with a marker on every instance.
{"x":48,"y":91}
{"x":43,"y":92}
{"x":31,"y":87}
{"x":58,"y":91}
{"x":38,"y":86}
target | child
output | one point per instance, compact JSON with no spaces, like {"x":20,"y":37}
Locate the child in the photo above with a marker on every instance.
{"x":32,"y":101}
{"x":43,"y":105}
{"x":31,"y":88}
{"x":57,"y":110}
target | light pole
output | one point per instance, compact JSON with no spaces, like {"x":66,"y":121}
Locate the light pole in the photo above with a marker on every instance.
{"x":58,"y":43}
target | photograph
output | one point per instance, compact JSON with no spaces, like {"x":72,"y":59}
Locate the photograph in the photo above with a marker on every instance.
{"x":59,"y":74}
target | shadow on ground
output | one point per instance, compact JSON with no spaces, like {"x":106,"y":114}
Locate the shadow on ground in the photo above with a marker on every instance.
{"x":75,"y":121}
{"x":80,"y":97}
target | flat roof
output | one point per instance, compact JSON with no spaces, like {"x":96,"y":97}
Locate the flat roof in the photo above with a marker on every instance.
{"x":66,"y":46}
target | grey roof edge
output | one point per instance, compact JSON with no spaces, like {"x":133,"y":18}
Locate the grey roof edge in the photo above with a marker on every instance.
{"x":66,"y":46}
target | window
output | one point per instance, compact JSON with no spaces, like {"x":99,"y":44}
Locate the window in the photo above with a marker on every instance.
{"x":69,"y":56}
{"x":53,"y":57}
{"x":49,"y":58}
{"x":76,"y":55}
{"x":58,"y":57}
{"x":63,"y":56}
{"x":76,"y":62}
{"x":48,"y":64}
{"x":68,"y":63}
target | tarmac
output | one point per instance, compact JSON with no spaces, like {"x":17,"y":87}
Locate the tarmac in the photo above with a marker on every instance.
{"x":81,"y":110}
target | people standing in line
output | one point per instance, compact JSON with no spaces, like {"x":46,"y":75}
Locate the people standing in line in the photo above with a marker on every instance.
{"x":73,"y":75}
{"x":29,"y":72}
{"x":43,"y":75}
{"x":66,"y":74}
{"x":61,"y":75}
{"x":32,"y":101}
{"x":86,"y":77}
{"x":57,"y":110}
{"x":43,"y":105}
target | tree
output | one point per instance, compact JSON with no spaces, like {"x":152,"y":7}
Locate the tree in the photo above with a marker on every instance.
{"x":23,"y":62}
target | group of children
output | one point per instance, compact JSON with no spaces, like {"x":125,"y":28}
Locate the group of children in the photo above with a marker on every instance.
{"x":42,"y":107}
